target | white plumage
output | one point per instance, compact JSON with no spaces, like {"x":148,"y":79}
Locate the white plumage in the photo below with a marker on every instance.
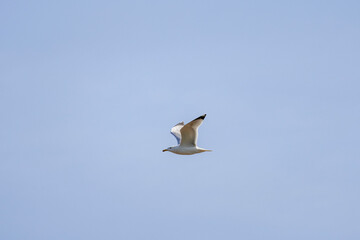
{"x":186,"y":136}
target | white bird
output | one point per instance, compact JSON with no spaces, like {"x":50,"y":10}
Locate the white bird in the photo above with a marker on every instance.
{"x":186,"y":136}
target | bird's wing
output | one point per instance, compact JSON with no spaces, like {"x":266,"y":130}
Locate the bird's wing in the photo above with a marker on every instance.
{"x":175,"y":130}
{"x":189,"y":132}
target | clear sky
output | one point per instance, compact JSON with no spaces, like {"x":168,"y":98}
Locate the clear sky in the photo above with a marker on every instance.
{"x":90,"y":89}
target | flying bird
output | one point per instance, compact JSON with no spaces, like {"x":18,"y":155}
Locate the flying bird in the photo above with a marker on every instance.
{"x":186,"y":136}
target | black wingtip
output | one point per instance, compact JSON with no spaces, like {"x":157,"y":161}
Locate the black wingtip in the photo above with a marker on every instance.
{"x":202,"y":117}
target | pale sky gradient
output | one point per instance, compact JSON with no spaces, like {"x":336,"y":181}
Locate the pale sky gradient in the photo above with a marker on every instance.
{"x":90,"y":89}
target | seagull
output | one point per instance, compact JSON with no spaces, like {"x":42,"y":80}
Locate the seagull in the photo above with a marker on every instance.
{"x":186,"y":136}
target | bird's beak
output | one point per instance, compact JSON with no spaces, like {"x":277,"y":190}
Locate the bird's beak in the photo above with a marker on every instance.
{"x":165,"y":150}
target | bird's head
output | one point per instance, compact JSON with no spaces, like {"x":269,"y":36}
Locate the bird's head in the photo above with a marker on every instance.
{"x":168,"y":149}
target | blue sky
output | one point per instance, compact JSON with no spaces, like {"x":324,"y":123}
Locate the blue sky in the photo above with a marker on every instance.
{"x":90,"y":89}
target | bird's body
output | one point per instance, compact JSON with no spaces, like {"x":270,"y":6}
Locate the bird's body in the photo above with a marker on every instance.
{"x":187,"y":150}
{"x":186,"y":135}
